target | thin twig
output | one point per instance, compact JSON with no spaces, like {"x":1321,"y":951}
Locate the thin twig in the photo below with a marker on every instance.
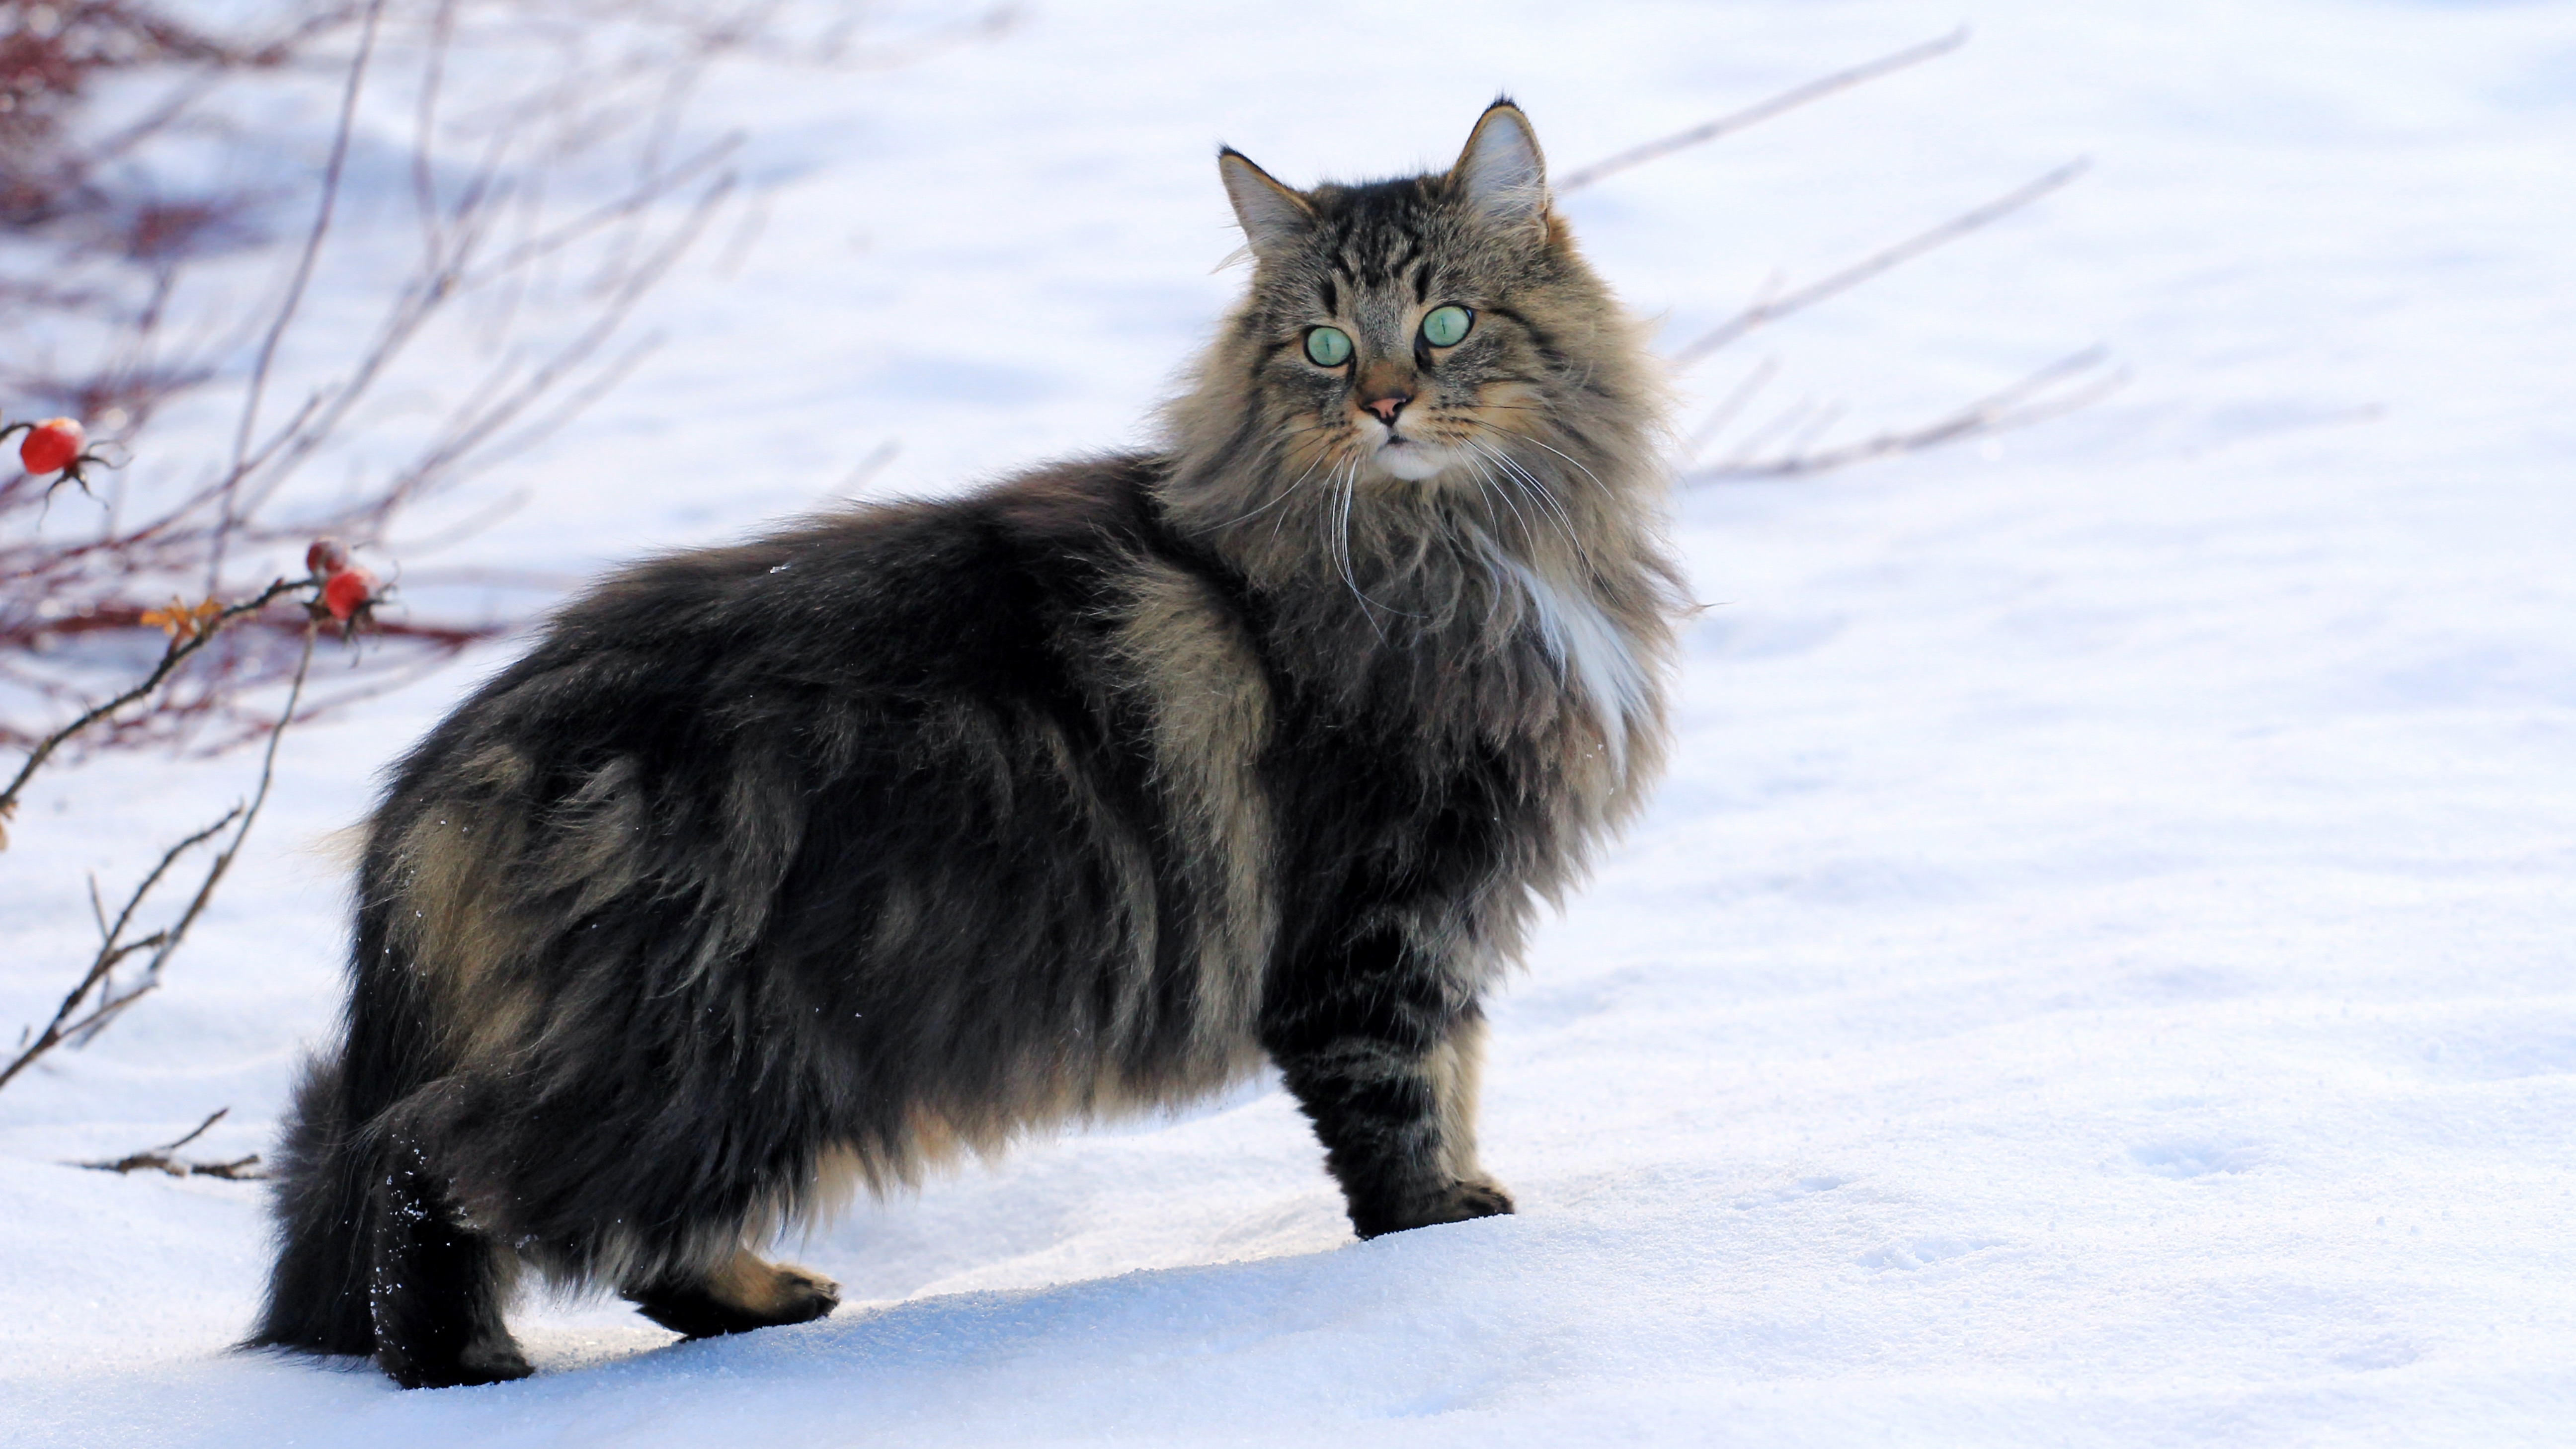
{"x":332,"y":171}
{"x":162,"y":943}
{"x":259,"y":797}
{"x":1870,"y":266}
{"x":211,"y":1119}
{"x":1724,"y":414}
{"x":160,"y":1158}
{"x":877,"y":461}
{"x":424,"y":179}
{"x":492,"y":235}
{"x":625,"y":208}
{"x":2016,"y":406}
{"x":1757,"y":113}
{"x":171,"y":658}
{"x":66,"y":1020}
{"x":67,"y":588}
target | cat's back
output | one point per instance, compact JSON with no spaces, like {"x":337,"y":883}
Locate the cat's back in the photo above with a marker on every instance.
{"x":865,"y":728}
{"x":877,"y":613}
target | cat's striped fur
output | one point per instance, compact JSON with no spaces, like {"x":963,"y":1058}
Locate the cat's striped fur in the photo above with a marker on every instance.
{"x":781,"y":870}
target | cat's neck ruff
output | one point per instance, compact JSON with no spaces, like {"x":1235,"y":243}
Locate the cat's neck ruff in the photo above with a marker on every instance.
{"x":1481,"y":564}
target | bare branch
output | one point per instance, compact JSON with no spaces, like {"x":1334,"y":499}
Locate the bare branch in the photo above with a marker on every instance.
{"x":63,"y":589}
{"x":1763,"y":313}
{"x":267,"y":773}
{"x":177,"y":653}
{"x":548,"y":287}
{"x":1723,"y":416}
{"x":2060,"y":388}
{"x":66,"y":1026}
{"x":198,"y":1131}
{"x":1760,"y":111}
{"x":67,"y":1020}
{"x":160,"y":1158}
{"x":879,"y":458}
{"x":332,"y":171}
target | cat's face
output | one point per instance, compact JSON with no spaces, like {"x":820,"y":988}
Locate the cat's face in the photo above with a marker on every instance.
{"x":1402,"y":330}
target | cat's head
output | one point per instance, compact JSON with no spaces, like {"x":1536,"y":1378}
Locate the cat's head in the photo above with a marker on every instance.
{"x":1437,"y":330}
{"x":1414,"y":358}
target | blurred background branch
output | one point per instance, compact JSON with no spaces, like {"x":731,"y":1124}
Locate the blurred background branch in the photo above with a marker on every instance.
{"x":552,"y":185}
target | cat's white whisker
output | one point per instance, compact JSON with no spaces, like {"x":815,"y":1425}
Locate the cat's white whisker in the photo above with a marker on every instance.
{"x":1283,"y":494}
{"x":1576,"y":462}
{"x":1541,"y":495}
{"x":1503,"y":487}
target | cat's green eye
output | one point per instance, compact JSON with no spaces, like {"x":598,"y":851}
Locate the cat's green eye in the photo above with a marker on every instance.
{"x":1327,"y":346}
{"x":1447,"y":326}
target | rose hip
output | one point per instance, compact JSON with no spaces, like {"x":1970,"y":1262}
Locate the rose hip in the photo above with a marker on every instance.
{"x":348,"y":591}
{"x":51,"y":445}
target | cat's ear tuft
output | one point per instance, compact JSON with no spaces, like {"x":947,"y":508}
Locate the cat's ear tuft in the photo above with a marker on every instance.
{"x":1501,"y":172}
{"x":1273,"y":216}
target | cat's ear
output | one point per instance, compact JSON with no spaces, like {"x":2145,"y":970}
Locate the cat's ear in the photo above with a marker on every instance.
{"x":1273,"y":216}
{"x":1502,"y":173}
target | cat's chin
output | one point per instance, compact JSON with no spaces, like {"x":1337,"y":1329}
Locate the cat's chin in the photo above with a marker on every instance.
{"x":1414,"y":462}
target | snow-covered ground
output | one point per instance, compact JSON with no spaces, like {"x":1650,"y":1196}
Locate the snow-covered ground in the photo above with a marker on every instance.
{"x":2099,"y":971}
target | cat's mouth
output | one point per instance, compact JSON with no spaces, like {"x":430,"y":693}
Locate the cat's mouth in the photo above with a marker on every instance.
{"x":1411,"y":459}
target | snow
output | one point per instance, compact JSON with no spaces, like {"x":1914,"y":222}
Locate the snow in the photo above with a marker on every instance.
{"x":2098,"y":970}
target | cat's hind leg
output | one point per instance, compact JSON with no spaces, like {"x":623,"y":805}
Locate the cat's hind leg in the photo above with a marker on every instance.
{"x":435,"y":1287}
{"x":744,"y":1293}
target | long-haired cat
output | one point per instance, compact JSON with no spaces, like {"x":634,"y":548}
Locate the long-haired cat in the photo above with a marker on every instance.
{"x":780,"y":870}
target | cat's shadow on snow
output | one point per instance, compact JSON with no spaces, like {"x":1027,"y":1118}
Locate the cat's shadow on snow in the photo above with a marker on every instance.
{"x":1199,"y":1308}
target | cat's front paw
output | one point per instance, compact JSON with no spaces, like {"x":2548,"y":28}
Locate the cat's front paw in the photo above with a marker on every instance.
{"x":1456,"y":1203}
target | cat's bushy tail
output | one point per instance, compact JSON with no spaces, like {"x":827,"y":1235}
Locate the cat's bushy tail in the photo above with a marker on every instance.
{"x":317,"y":1293}
{"x":330,"y":1159}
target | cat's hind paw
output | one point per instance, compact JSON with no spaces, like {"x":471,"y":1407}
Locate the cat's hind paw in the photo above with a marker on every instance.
{"x":1457,"y":1203}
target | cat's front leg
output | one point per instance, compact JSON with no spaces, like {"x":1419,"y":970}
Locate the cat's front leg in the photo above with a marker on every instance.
{"x":1389,"y":1076}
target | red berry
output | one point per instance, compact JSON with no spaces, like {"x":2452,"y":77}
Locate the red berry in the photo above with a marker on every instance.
{"x":50,"y":445}
{"x":326,"y":557}
{"x":348,"y":591}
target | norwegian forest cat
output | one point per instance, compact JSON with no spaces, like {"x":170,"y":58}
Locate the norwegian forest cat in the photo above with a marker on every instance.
{"x":780,"y":870}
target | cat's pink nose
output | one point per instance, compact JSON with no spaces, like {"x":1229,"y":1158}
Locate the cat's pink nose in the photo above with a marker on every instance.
{"x":1387,"y":407}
